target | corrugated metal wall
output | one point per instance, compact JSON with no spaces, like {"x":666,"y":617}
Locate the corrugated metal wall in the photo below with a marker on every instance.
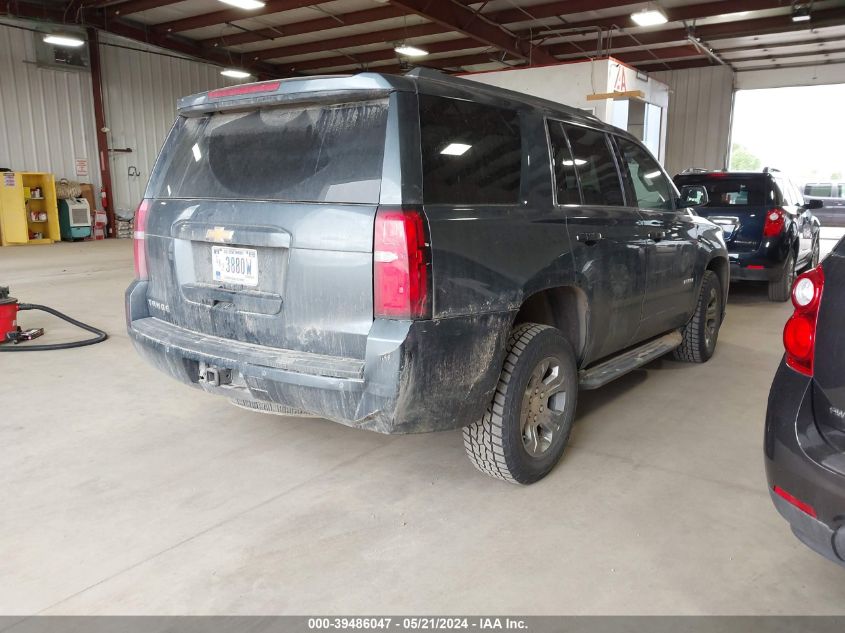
{"x":46,"y":116}
{"x":140,"y":90}
{"x":700,"y":103}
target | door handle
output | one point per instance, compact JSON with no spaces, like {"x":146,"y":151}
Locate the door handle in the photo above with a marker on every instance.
{"x":657,"y":235}
{"x":589,"y":238}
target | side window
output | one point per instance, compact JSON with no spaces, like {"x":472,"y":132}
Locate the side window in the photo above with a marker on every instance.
{"x":566,"y":182}
{"x":651,"y":187}
{"x":471,"y":153}
{"x":595,"y":165}
{"x":841,"y":193}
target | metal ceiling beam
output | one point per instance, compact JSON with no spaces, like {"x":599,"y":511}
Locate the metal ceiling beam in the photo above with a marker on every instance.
{"x":139,"y":33}
{"x":709,"y":9}
{"x":320,"y":46}
{"x":725,"y":30}
{"x":559,"y":9}
{"x":308,"y":26}
{"x":774,"y":56}
{"x":136,"y":6}
{"x":456,"y":17}
{"x":232,"y":15}
{"x":484,"y":58}
{"x":363,"y":59}
{"x":587,"y":48}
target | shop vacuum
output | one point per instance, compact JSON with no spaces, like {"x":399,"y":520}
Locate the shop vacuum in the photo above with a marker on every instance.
{"x":11,"y":332}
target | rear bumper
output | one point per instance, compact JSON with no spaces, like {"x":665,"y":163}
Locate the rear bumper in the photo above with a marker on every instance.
{"x":799,"y":461}
{"x":416,"y":376}
{"x":764,"y":264}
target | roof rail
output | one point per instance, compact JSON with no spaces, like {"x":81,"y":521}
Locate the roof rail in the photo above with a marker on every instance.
{"x":768,"y":170}
{"x":695,"y":170}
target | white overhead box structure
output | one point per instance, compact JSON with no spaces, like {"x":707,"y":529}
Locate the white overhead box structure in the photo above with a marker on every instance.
{"x":613,"y":91}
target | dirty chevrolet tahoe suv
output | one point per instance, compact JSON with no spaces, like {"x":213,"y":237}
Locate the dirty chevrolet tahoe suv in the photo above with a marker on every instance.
{"x":416,"y":253}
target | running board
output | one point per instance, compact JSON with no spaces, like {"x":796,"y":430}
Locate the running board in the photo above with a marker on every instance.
{"x":603,"y":373}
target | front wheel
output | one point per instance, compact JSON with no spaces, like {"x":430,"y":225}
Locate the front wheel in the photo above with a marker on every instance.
{"x":524,"y":431}
{"x":702,"y":331}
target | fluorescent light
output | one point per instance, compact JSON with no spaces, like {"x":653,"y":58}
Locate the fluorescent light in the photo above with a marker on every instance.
{"x":64,"y":40}
{"x":455,"y":149}
{"x":652,"y":174}
{"x":244,"y":4}
{"x":577,"y":161}
{"x":410,"y":51}
{"x":197,"y":153}
{"x":649,"y":17}
{"x":801,"y":13}
{"x":235,"y":74}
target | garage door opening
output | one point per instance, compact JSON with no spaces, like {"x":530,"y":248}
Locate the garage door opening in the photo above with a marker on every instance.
{"x":798,"y":130}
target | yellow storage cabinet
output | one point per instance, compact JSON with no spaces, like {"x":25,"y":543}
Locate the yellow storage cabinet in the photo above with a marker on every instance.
{"x":23,"y":215}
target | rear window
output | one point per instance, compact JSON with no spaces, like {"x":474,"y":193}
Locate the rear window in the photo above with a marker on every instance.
{"x":735,"y":192}
{"x":320,"y":153}
{"x":471,"y":153}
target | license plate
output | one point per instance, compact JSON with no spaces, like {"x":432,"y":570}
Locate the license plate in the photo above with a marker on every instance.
{"x":234,"y":265}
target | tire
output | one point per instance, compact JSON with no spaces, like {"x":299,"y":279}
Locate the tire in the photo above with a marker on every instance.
{"x":781,"y":289}
{"x":814,"y":258}
{"x":702,"y":331}
{"x":524,"y":431}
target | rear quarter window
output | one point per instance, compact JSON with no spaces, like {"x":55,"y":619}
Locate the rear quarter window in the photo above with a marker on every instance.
{"x":471,"y":153}
{"x":319,"y":153}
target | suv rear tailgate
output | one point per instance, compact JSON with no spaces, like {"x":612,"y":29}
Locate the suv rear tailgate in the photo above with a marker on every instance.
{"x":260,"y":225}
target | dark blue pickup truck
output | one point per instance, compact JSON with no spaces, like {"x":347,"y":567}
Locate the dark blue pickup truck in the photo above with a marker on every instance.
{"x":769,"y":229}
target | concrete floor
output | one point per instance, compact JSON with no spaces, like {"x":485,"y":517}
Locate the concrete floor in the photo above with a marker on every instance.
{"x":124,"y":492}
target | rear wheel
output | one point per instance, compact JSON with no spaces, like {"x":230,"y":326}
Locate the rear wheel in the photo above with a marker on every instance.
{"x":524,"y":431}
{"x":781,"y":288}
{"x":701,"y":333}
{"x":814,"y":260}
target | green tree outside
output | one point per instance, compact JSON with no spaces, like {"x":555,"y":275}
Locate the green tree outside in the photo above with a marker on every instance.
{"x":743,"y":160}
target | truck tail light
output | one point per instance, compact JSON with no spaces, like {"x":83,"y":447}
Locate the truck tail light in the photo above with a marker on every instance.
{"x":400,"y":265}
{"x":775,"y":221}
{"x":139,"y":236}
{"x":799,"y":334}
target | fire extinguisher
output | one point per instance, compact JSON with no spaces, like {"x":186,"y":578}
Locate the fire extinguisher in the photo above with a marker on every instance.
{"x":104,"y":199}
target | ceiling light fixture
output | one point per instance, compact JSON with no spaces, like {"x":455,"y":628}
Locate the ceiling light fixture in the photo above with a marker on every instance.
{"x":409,"y":51}
{"x":63,"y":40}
{"x":649,"y":17}
{"x":801,"y":13}
{"x":245,"y":4}
{"x":455,"y":149}
{"x":235,"y":73}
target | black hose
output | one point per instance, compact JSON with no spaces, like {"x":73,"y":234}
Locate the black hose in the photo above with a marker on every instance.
{"x":99,"y":338}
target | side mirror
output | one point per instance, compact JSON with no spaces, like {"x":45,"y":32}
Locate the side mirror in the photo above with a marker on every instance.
{"x":694,"y":196}
{"x":815,"y":203}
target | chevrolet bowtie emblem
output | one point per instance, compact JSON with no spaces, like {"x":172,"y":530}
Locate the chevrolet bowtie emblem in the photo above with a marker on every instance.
{"x":218,"y":234}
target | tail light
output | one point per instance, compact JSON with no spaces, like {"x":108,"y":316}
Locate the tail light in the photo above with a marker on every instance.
{"x":139,"y":252}
{"x":799,"y":335}
{"x":775,"y":221}
{"x":400,"y":265}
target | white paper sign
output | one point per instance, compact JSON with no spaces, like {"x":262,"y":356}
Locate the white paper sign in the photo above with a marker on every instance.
{"x":81,"y":167}
{"x":9,"y":179}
